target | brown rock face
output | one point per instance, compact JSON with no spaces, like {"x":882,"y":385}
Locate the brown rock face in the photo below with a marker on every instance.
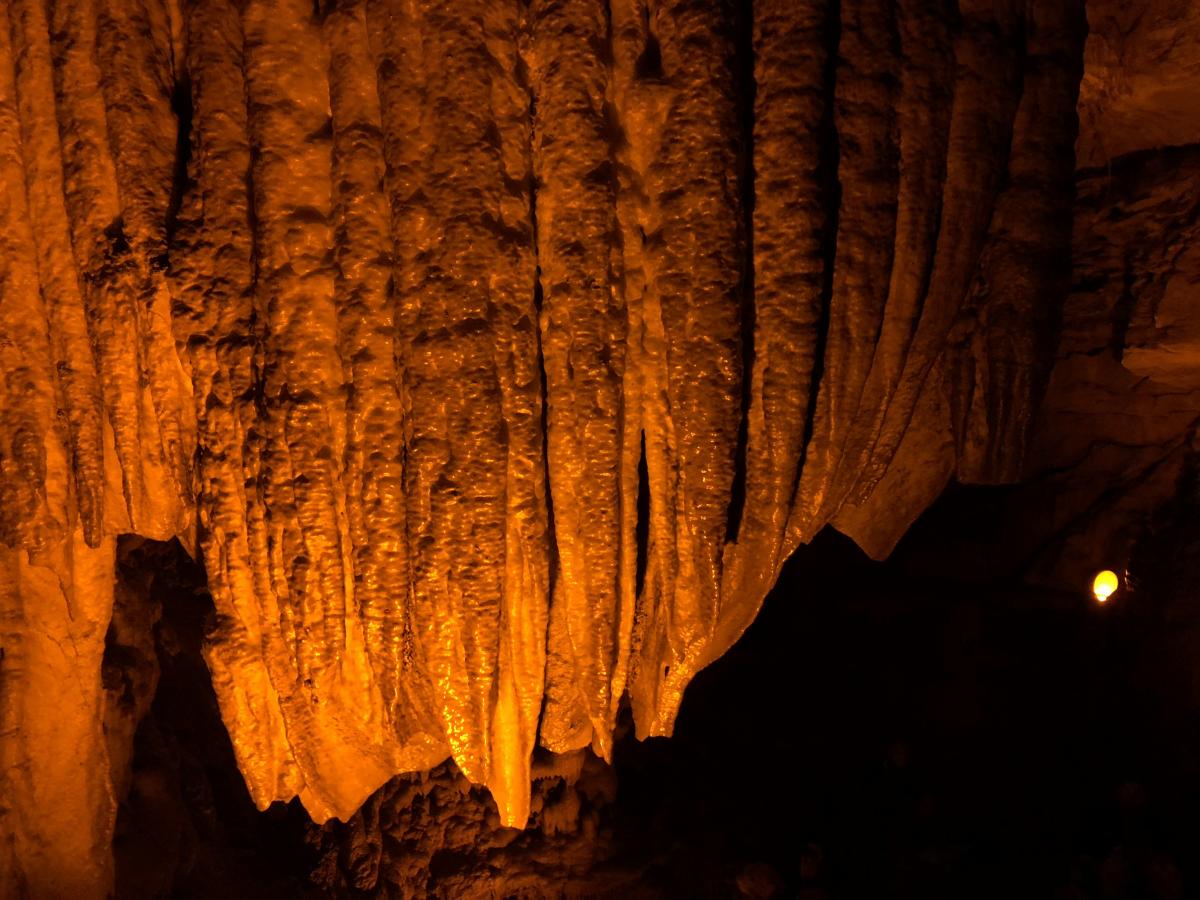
{"x":494,"y":355}
{"x":1118,"y":422}
{"x":1142,"y":78}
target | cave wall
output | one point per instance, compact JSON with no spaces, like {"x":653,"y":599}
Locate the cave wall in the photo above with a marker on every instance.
{"x":493,"y":356}
{"x":1118,"y":423}
{"x":1141,"y":79}
{"x":1117,"y":426}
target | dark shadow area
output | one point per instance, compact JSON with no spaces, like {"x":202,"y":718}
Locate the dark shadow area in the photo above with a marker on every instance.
{"x":186,"y":826}
{"x":881,"y":731}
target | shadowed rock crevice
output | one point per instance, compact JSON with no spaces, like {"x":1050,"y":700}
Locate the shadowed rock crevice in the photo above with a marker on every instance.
{"x":744,"y":50}
{"x":185,"y":826}
{"x":181,"y":106}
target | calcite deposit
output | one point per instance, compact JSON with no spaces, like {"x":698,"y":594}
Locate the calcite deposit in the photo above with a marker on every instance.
{"x":493,"y":355}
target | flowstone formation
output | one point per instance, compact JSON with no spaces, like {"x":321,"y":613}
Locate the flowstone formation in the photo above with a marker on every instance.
{"x":494,"y":356}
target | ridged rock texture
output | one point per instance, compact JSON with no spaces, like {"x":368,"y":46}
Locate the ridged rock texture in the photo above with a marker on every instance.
{"x":494,"y":355}
{"x":1141,"y":78}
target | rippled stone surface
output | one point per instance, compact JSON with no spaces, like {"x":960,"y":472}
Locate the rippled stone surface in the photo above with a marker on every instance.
{"x":493,"y":355}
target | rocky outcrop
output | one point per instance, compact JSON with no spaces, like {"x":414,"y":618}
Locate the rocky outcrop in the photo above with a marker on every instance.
{"x":494,"y":356}
{"x":1118,"y":423}
{"x":1141,"y":78}
{"x":96,"y":434}
{"x":433,"y":833}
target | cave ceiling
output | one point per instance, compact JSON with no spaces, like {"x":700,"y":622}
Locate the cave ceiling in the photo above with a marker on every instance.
{"x":494,"y":356}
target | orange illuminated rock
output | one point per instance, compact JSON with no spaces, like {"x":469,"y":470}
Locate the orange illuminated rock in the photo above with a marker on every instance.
{"x":493,"y":355}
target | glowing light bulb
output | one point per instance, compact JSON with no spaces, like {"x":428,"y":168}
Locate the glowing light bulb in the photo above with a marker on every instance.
{"x":1105,"y":585}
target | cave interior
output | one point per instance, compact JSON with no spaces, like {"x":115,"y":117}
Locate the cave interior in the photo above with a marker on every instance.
{"x":589,"y":448}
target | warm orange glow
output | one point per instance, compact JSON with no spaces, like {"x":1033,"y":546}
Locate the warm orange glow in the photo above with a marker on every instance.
{"x":1105,"y":585}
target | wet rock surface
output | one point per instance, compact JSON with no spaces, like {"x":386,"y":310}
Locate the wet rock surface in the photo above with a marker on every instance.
{"x":493,"y":358}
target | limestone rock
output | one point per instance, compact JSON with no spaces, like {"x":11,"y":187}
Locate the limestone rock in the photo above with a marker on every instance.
{"x":493,"y":355}
{"x":1141,"y":79}
{"x":1120,"y":414}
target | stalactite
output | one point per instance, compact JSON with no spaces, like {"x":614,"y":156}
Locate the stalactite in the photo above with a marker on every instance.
{"x":583,"y":326}
{"x":495,"y":356}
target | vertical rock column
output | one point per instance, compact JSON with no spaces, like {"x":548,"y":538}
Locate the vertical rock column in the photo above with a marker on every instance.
{"x":358,"y":298}
{"x":591,"y":419}
{"x":95,"y":434}
{"x":467,"y":350}
{"x":676,"y":97}
{"x":57,"y":817}
{"x":213,"y":265}
{"x":794,"y":158}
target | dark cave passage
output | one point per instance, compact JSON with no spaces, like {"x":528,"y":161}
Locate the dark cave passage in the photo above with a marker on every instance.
{"x":186,"y":826}
{"x":881,"y":731}
{"x":928,"y":737}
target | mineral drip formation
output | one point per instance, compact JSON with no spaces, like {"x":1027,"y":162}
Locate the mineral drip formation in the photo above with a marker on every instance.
{"x":492,"y":355}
